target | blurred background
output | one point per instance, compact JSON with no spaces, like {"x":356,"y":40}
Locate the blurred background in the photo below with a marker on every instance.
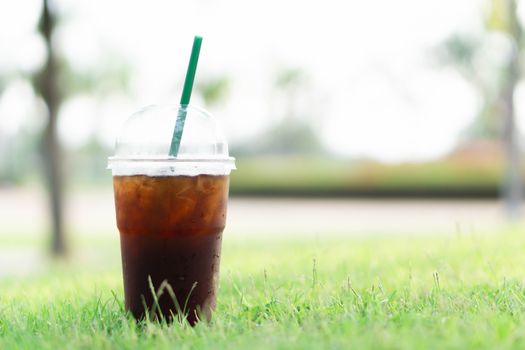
{"x":352,"y":118}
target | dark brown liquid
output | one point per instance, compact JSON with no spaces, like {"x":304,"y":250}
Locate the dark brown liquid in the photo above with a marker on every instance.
{"x":170,"y":232}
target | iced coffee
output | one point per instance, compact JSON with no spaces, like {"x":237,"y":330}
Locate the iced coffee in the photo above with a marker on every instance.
{"x":170,"y":233}
{"x":171,"y":213}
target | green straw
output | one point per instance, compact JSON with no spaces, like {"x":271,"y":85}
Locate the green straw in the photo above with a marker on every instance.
{"x":186,"y":95}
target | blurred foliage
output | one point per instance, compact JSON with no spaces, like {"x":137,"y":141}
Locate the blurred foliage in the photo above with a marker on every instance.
{"x":21,"y":152}
{"x":460,"y":50}
{"x":112,"y":73}
{"x":18,"y":157}
{"x":3,"y":82}
{"x":290,"y":82}
{"x":291,"y":136}
{"x":501,"y":15}
{"x":87,"y":165}
{"x":290,"y":78}
{"x":289,"y":154}
{"x":483,"y":59}
{"x":214,"y":90}
{"x":294,"y":133}
{"x":463,"y":52}
{"x":324,"y":176}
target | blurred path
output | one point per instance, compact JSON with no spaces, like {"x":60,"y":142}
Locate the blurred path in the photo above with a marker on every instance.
{"x":91,"y":212}
{"x":360,"y":217}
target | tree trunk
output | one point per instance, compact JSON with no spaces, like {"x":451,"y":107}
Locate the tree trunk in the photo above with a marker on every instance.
{"x":513,"y":183}
{"x":48,"y":89}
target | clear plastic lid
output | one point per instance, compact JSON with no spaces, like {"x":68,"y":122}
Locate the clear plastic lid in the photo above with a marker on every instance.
{"x":144,"y":142}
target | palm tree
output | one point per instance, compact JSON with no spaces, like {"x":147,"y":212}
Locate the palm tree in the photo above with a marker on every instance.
{"x":295,"y":133}
{"x":496,"y":84}
{"x":55,"y":82}
{"x":47,"y":86}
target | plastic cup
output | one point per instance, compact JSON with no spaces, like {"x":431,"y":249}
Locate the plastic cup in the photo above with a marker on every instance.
{"x":171,"y":212}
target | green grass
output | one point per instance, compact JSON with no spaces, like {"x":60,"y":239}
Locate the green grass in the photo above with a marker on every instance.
{"x":461,"y":291}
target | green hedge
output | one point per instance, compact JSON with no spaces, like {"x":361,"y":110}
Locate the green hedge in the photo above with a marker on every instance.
{"x":318,"y":176}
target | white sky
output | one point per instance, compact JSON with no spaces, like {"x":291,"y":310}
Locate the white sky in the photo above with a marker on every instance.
{"x":372,"y":88}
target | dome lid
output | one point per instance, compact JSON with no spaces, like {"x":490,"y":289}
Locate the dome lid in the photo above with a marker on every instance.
{"x":146,"y":136}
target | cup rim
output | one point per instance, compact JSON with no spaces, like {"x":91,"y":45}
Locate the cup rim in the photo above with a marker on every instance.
{"x":112,"y":159}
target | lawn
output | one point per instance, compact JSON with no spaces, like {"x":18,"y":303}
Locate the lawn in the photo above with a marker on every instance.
{"x":458,"y":291}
